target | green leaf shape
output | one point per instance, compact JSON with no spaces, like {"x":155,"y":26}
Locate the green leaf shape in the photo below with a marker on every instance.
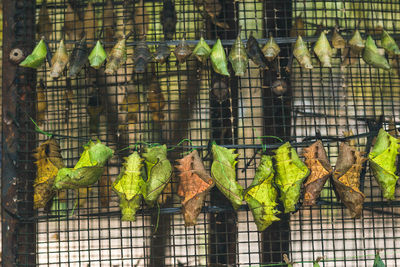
{"x":37,"y":57}
{"x":301,"y":53}
{"x":323,"y":50}
{"x":97,"y":56}
{"x":223,"y":172}
{"x":291,"y":172}
{"x":372,"y":57}
{"x":218,"y":59}
{"x":378,"y":262}
{"x":202,"y":50}
{"x":87,"y":170}
{"x":356,"y":42}
{"x":261,"y":195}
{"x":389,"y":44}
{"x":271,"y":49}
{"x":238,"y":57}
{"x":159,"y":172}
{"x":382,"y":160}
{"x":130,"y":186}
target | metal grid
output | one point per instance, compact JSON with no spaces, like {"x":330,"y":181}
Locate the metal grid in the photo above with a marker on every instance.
{"x":328,"y":101}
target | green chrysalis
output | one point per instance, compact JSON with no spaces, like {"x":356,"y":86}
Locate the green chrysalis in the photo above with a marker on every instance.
{"x":389,"y":44}
{"x":202,"y":50}
{"x":218,"y":59}
{"x":223,"y":171}
{"x":97,"y":56}
{"x":87,"y":170}
{"x":261,"y":195}
{"x":238,"y":57}
{"x":356,"y":42}
{"x":291,"y":172}
{"x":378,"y":262}
{"x":300,"y":51}
{"x":130,"y":186}
{"x":323,"y":50}
{"x":37,"y":57}
{"x":372,"y":57}
{"x":382,"y":160}
{"x":159,"y":172}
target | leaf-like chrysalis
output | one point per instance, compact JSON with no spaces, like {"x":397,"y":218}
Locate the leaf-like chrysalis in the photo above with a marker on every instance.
{"x":159,"y":172}
{"x":218,"y":59}
{"x":378,"y":262}
{"x":346,"y":179}
{"x":48,"y":162}
{"x":162,"y":53}
{"x":117,"y":56}
{"x":182,"y":50}
{"x":261,"y":195}
{"x":356,"y":42}
{"x":202,"y":50}
{"x":271,"y":49}
{"x":372,"y":57}
{"x":323,"y":50}
{"x":338,"y":41}
{"x":59,"y":61}
{"x":290,"y":174}
{"x":97,"y":56}
{"x":223,"y":171}
{"x":87,"y":170}
{"x":320,"y":170}
{"x":141,"y":57}
{"x":382,"y":160}
{"x":156,"y":100}
{"x":389,"y":44}
{"x":300,"y":51}
{"x":238,"y":56}
{"x":37,"y":57}
{"x":194,"y":184}
{"x":79,"y":57}
{"x":130,"y":186}
{"x":254,"y":52}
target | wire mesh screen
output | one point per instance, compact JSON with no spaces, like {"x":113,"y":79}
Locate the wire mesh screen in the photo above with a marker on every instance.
{"x":84,"y":228}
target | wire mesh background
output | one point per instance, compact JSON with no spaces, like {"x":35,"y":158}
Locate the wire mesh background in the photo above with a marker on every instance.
{"x":329,"y":101}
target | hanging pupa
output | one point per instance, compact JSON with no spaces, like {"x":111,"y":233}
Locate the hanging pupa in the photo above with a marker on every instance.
{"x":389,"y":44}
{"x":168,"y":19}
{"x":218,"y":59}
{"x":182,"y":50}
{"x":372,"y":57}
{"x":162,"y":53}
{"x":37,"y":57}
{"x":117,"y":56}
{"x":79,"y":57}
{"x":356,"y":42}
{"x":254,"y":52}
{"x":300,"y":51}
{"x":382,"y":160}
{"x":202,"y":50}
{"x":338,"y":41}
{"x":97,"y":56}
{"x":271,"y":49}
{"x":238,"y":57}
{"x":141,"y":57}
{"x":59,"y":61}
{"x":323,"y":50}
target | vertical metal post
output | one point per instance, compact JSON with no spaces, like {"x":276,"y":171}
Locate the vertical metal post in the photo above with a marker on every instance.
{"x":18,"y":85}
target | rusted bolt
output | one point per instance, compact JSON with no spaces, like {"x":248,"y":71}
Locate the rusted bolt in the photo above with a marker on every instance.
{"x":16,"y":55}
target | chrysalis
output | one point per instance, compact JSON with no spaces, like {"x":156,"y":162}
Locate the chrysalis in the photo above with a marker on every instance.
{"x":117,"y":57}
{"x":323,"y":50}
{"x":87,"y":170}
{"x":261,"y":195}
{"x":290,"y":174}
{"x":162,"y":53}
{"x":320,"y":170}
{"x":346,"y":179}
{"x":59,"y":61}
{"x":168,"y":19}
{"x":271,"y":49}
{"x":218,"y":59}
{"x":182,"y":50}
{"x":202,"y":50}
{"x":238,"y":57}
{"x":389,"y":44}
{"x":141,"y":57}
{"x":378,"y":262}
{"x":372,"y":57}
{"x":254,"y":52}
{"x":356,"y":42}
{"x":338,"y":41}
{"x":48,"y":162}
{"x":79,"y":57}
{"x":382,"y":160}
{"x":300,"y":51}
{"x":159,"y":172}
{"x":223,"y":171}
{"x":97,"y":56}
{"x":298,"y":27}
{"x":37,"y":57}
{"x":194,"y":185}
{"x":130,"y":186}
